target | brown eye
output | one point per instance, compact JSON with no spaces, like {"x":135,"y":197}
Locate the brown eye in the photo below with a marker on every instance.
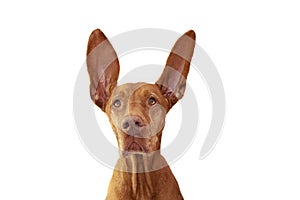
{"x":151,"y":101}
{"x":117,"y":103}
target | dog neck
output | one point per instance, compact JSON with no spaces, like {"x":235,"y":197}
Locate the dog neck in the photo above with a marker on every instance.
{"x":139,"y":162}
{"x":143,"y":176}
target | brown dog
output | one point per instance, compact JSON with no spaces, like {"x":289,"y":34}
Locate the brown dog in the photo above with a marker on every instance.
{"x":137,"y":114}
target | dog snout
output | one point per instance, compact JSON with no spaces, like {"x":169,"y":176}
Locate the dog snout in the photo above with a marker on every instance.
{"x":132,"y":123}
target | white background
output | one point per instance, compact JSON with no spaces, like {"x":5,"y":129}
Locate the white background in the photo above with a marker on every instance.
{"x":254,"y":44}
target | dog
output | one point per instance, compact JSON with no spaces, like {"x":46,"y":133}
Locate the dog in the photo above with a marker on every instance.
{"x":137,"y":112}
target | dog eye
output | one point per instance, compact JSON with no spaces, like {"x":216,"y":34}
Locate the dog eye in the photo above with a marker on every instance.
{"x":117,"y":103}
{"x":151,"y":101}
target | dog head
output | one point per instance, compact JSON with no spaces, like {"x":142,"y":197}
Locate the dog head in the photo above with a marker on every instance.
{"x":137,"y":111}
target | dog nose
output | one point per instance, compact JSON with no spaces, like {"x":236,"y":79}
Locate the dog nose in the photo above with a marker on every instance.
{"x":125,"y":125}
{"x":132,"y":122}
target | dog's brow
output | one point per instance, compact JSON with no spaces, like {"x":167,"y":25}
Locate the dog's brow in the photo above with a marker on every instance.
{"x":119,"y":94}
{"x":153,"y":94}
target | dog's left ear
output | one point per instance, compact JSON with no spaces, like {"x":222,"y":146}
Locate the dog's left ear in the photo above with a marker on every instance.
{"x":103,"y":67}
{"x":172,"y":81}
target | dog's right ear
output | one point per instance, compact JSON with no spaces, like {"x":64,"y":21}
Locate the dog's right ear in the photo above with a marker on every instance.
{"x":103,"y":68}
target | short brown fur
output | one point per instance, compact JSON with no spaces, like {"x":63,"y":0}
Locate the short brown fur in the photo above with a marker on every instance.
{"x":137,"y":112}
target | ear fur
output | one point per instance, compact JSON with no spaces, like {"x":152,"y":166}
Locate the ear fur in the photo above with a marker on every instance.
{"x":103,"y":68}
{"x":172,"y":82}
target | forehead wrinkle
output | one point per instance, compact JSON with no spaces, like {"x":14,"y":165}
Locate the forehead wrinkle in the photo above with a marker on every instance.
{"x":140,"y":95}
{"x":119,"y":93}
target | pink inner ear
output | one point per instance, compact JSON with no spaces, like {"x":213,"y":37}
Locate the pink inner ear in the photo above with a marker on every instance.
{"x":169,"y":94}
{"x":100,"y":97}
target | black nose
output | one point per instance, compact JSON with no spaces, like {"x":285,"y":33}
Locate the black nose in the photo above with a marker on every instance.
{"x":133,"y":122}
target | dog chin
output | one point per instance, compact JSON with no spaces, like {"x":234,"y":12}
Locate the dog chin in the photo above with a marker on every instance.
{"x":134,"y":146}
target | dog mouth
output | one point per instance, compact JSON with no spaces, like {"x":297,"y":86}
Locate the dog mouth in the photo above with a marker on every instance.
{"x":134,"y":147}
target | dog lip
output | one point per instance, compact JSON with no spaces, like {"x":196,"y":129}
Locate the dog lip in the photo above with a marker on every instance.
{"x":134,"y":146}
{"x":141,"y":132}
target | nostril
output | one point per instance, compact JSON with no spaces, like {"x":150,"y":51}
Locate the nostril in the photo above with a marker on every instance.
{"x":132,"y":123}
{"x":125,"y":125}
{"x":138,"y":123}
